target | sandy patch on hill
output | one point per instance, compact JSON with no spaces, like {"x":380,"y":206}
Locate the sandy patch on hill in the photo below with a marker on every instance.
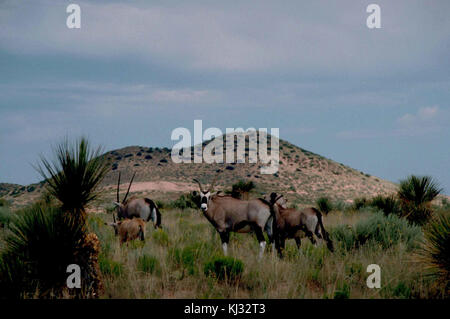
{"x":157,"y":186}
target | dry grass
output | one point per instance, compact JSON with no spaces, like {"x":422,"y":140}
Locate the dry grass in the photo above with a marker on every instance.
{"x":313,"y":272}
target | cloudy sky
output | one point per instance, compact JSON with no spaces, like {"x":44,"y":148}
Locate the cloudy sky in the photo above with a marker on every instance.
{"x":374,"y":99}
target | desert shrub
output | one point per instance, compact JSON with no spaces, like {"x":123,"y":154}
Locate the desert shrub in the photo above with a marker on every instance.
{"x":3,"y":202}
{"x":435,"y":252}
{"x":186,"y":257}
{"x":379,"y":230}
{"x":415,"y":194}
{"x":360,"y":202}
{"x":5,"y":216}
{"x":110,"y":267}
{"x":185,"y":201}
{"x":387,"y":204}
{"x":324,"y":205}
{"x":241,"y":189}
{"x":147,"y":263}
{"x":41,"y":243}
{"x":224,"y":268}
{"x":343,"y":292}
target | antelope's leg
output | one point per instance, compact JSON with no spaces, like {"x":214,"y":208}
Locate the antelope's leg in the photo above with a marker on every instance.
{"x":310,"y":235}
{"x":298,"y":241}
{"x":224,"y":237}
{"x":261,"y":240}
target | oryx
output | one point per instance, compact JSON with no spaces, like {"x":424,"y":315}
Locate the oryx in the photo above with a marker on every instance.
{"x":228,"y":214}
{"x":143,"y":208}
{"x":292,"y":223}
{"x":129,"y":229}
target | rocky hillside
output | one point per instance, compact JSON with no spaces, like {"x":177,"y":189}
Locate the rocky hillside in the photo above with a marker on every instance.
{"x":303,"y":176}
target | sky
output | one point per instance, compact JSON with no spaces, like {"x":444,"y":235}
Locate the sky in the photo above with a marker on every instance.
{"x":374,"y":99}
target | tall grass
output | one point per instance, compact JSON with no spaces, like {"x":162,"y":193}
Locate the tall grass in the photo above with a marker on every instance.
{"x":312,"y":272}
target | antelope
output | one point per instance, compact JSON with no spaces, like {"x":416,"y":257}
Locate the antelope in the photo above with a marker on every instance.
{"x":228,"y":214}
{"x":143,"y":208}
{"x":291,"y":223}
{"x":129,"y":229}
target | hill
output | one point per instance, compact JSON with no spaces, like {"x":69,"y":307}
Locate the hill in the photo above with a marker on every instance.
{"x":303,"y":176}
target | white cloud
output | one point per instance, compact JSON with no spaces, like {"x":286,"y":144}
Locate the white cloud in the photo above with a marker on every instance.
{"x":424,"y":116}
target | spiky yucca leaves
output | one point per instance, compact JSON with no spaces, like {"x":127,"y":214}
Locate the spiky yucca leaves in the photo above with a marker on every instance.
{"x":74,"y":175}
{"x":435,"y":253}
{"x":415,"y":194}
{"x":41,"y":243}
{"x":324,"y":205}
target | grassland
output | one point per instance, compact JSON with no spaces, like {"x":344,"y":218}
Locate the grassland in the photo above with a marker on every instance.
{"x":170,"y":264}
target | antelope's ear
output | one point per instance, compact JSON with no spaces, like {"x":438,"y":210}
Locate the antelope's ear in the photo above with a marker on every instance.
{"x":116,"y":204}
{"x":194,"y":193}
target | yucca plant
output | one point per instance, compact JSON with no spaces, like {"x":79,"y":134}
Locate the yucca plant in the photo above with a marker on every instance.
{"x":324,"y":205}
{"x":41,"y":243}
{"x":415,"y":194}
{"x":435,"y":252}
{"x":74,"y":175}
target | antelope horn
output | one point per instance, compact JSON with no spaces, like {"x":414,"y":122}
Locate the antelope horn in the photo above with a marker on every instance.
{"x":129,"y":186}
{"x":214,"y":182}
{"x":114,"y":218}
{"x":200,"y":185}
{"x":118,"y":185}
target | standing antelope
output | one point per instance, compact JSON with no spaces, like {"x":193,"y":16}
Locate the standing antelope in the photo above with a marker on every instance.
{"x":143,"y":208}
{"x":129,"y":229}
{"x":228,"y":214}
{"x":290,"y":223}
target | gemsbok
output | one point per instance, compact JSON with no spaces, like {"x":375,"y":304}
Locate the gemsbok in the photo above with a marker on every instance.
{"x":129,"y":229}
{"x":143,"y":208}
{"x":228,"y":214}
{"x":291,"y":223}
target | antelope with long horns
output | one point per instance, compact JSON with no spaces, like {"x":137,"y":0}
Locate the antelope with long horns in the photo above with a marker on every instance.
{"x":228,"y":214}
{"x":143,"y":208}
{"x":292,"y":223}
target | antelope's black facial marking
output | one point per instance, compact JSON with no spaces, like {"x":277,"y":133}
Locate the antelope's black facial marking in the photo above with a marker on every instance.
{"x":204,"y":200}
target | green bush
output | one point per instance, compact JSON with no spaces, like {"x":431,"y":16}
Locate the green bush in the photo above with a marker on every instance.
{"x":387,"y":204}
{"x":3,"y":202}
{"x":5,"y":216}
{"x":380,"y":230}
{"x":343,"y":292}
{"x":186,"y":257}
{"x":147,"y":263}
{"x":41,"y":243}
{"x":224,"y":268}
{"x":324,"y":205}
{"x":185,"y":201}
{"x":359,"y":203}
